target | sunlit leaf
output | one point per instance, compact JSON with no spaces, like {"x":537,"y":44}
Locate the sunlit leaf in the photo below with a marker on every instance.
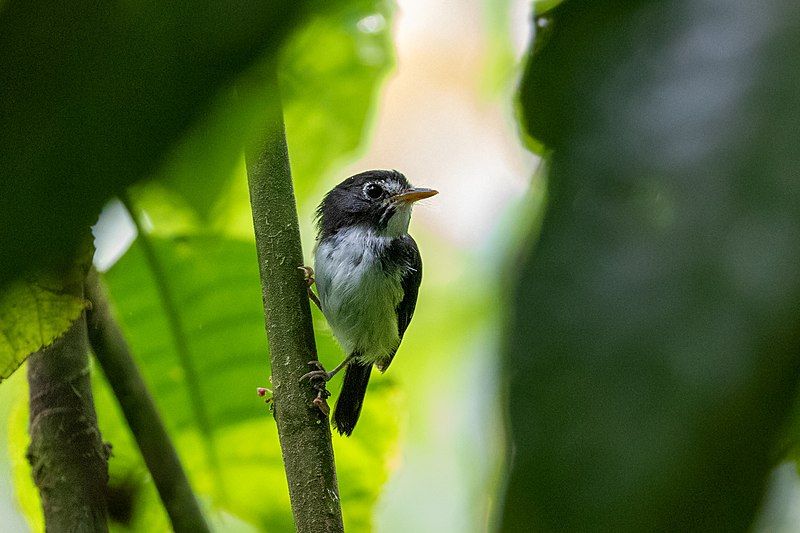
{"x":652,"y":350}
{"x":331,"y":72}
{"x":216,"y":285}
{"x":27,"y":496}
{"x":32,"y":315}
{"x":12,"y":394}
{"x":330,"y":77}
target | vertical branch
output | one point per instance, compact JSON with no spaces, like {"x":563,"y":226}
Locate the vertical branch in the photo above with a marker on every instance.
{"x":304,"y":432}
{"x":111,"y":350}
{"x":67,"y":454}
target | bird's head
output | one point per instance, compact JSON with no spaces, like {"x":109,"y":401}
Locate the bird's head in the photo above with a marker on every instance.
{"x":379,"y":200}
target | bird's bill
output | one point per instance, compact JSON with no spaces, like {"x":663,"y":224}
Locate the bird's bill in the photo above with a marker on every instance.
{"x":412,"y":195}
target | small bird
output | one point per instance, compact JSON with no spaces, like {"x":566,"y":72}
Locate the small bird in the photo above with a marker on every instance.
{"x":368,"y":272}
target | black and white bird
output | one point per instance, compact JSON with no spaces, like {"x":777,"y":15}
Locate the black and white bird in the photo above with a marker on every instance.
{"x":368,"y":272}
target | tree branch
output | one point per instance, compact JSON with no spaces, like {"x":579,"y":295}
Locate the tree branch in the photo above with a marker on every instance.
{"x":304,"y":433}
{"x":182,"y":348}
{"x":114,"y":356}
{"x":67,"y":454}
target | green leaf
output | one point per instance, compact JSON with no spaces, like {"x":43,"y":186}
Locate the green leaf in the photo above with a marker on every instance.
{"x":27,"y":495}
{"x":652,"y":346}
{"x":331,"y":70}
{"x":12,"y":393}
{"x":215,"y":283}
{"x":93,"y":98}
{"x":32,"y":315}
{"x":330,"y":76}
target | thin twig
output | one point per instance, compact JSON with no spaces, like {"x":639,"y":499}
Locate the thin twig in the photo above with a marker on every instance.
{"x":111,"y":350}
{"x":181,"y":341}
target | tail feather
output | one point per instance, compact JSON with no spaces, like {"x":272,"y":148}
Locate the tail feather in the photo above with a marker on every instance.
{"x":351,"y":398}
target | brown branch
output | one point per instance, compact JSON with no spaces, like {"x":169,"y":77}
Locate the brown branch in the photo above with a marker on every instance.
{"x":114,"y":356}
{"x":303,"y":430}
{"x":67,"y":454}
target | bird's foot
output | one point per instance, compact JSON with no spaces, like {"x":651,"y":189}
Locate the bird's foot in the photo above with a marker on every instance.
{"x":308,"y":275}
{"x":318,"y":379}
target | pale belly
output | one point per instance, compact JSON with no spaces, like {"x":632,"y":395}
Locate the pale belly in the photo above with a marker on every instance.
{"x":358,"y":298}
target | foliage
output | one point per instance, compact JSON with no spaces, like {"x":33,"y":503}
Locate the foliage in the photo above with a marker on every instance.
{"x":32,"y":315}
{"x":331,"y":69}
{"x":212,"y":277}
{"x":327,"y":103}
{"x":652,"y":345}
{"x":215,"y":283}
{"x":93,"y":98}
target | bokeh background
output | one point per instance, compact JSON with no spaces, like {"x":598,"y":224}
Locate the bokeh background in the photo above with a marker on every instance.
{"x":434,"y":85}
{"x":429,"y":88}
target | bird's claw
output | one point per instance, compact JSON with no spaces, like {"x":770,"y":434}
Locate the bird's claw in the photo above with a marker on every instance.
{"x":316,"y":364}
{"x":318,"y":379}
{"x":308,"y":274}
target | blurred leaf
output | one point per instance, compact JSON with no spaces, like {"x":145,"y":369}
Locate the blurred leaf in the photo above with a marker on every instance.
{"x":330,"y":76}
{"x":652,"y":350}
{"x":18,"y":441}
{"x":11,"y":393}
{"x":331,"y":70}
{"x":201,"y":169}
{"x":215,"y":283}
{"x":93,"y":97}
{"x":32,"y":315}
{"x":134,"y":503}
{"x":540,"y":7}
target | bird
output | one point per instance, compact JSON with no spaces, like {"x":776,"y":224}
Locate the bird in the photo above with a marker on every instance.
{"x":367,"y":270}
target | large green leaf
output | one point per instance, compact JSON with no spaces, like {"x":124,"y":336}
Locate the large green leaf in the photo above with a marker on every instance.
{"x":330,"y":73}
{"x":330,"y":76}
{"x":652,"y":352}
{"x":215,"y":283}
{"x":32,"y":315}
{"x":93,"y":97}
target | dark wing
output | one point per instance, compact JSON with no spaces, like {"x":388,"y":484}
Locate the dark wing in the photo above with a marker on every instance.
{"x":411,"y":264}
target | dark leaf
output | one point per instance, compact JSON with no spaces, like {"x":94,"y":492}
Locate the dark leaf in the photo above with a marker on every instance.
{"x":653,"y":348}
{"x":93,"y":96}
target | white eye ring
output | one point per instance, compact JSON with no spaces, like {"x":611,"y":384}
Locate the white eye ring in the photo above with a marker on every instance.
{"x":373,"y":191}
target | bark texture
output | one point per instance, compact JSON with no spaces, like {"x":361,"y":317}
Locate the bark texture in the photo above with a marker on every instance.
{"x":67,"y":454}
{"x":304,"y":432}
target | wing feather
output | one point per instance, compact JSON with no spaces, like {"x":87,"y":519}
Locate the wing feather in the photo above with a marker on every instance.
{"x":411,"y":265}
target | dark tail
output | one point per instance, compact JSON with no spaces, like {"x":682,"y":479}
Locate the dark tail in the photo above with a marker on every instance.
{"x":348,"y":406}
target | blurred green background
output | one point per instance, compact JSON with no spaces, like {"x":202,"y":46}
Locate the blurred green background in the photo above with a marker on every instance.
{"x":370,"y":85}
{"x":623,"y":360}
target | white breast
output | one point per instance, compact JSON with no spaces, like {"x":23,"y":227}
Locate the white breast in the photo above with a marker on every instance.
{"x":358,"y":298}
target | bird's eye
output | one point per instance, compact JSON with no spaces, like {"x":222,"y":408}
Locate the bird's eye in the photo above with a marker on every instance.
{"x":373,"y":191}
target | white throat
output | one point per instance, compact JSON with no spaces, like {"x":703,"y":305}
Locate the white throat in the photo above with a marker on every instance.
{"x":398,"y":224}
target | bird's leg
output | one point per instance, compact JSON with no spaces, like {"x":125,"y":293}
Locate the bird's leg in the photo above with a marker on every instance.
{"x":308,"y":275}
{"x":320,"y":376}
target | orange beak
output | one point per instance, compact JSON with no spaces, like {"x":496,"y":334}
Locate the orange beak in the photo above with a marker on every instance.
{"x":413,"y":195}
